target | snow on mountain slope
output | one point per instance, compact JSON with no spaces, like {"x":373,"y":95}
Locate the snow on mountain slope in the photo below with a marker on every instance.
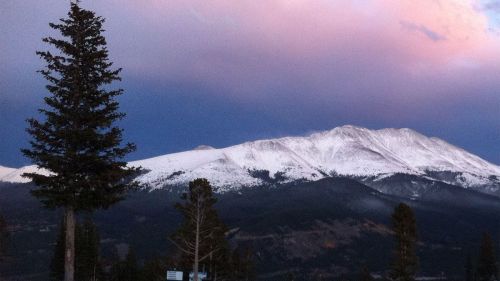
{"x":4,"y":171}
{"x":347,"y":150}
{"x":15,"y":175}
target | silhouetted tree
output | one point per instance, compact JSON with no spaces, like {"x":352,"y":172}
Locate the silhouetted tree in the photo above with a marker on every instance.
{"x":365,"y":275}
{"x":76,"y":141}
{"x":131,"y":269}
{"x":127,"y":270}
{"x":469,"y":268}
{"x":487,"y":268}
{"x":201,"y":236}
{"x":4,"y":236}
{"x":218,"y":265}
{"x":154,"y":270}
{"x":243,"y":265}
{"x":405,"y":261}
{"x":290,"y":276}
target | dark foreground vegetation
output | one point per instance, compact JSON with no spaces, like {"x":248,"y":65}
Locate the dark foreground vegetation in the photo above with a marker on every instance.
{"x":326,"y":230}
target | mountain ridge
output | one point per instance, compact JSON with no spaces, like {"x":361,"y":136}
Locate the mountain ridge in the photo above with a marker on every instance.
{"x":348,"y":151}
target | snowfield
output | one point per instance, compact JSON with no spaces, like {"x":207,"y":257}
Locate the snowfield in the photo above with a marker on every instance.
{"x":346,"y":150}
{"x":4,"y":171}
{"x":15,"y":175}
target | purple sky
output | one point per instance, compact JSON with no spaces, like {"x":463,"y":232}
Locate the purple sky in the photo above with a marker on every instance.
{"x":222,"y":72}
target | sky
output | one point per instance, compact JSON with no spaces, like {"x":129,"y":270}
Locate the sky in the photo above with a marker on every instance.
{"x":222,"y":72}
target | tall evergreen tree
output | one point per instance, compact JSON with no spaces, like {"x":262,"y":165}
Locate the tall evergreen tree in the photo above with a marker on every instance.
{"x":487,"y":269}
{"x":76,"y":141}
{"x":200,"y":239}
{"x":405,"y":261}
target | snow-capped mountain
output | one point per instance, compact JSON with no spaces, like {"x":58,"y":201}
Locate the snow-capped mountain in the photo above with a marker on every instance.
{"x":347,"y":151}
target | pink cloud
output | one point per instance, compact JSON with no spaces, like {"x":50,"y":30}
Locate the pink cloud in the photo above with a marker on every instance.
{"x":403,"y":50}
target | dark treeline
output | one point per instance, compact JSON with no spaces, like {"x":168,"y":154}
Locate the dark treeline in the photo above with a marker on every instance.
{"x":201,"y":241}
{"x":222,"y":260}
{"x":485,"y":267}
{"x":404,"y":266}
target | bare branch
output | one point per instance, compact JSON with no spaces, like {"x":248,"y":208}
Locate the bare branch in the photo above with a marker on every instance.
{"x":208,"y":255}
{"x":180,"y":248}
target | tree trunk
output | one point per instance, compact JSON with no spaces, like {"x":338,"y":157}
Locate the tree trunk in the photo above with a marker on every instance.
{"x":69,"y":256}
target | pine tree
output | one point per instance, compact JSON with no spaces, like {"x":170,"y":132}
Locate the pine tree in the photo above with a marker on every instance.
{"x":153,"y":270}
{"x":290,"y":276}
{"x":487,"y":268}
{"x":127,"y":270}
{"x":242,"y":265}
{"x":4,"y":235}
{"x":218,"y":266}
{"x":201,"y":236}
{"x":365,"y":274}
{"x":405,"y":261}
{"x":469,"y":268}
{"x":76,"y":141}
{"x":131,"y":269}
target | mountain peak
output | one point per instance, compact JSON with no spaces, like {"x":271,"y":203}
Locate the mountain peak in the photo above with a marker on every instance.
{"x":204,"y":147}
{"x":345,"y":129}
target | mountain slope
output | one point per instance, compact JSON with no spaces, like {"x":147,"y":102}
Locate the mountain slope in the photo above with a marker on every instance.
{"x":16,"y":175}
{"x":4,"y":171}
{"x":347,"y":151}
